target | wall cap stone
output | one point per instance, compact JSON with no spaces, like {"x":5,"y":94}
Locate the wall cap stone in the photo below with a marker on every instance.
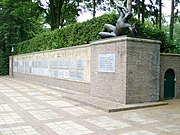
{"x":54,"y":50}
{"x":124,"y":38}
{"x":169,"y":54}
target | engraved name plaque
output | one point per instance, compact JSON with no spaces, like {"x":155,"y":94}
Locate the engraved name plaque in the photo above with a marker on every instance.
{"x":60,"y":64}
{"x":106,"y":63}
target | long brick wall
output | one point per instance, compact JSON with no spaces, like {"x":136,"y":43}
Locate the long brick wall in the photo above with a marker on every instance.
{"x":125,"y":70}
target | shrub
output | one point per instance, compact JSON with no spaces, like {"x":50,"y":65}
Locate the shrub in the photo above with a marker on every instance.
{"x":4,"y":63}
{"x":149,"y":31}
{"x":84,"y":33}
{"x":72,"y":35}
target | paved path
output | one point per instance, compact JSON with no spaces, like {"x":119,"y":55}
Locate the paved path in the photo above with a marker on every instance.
{"x":29,"y":109}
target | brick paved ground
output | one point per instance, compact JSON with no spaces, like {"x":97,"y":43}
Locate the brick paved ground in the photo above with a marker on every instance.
{"x":29,"y":109}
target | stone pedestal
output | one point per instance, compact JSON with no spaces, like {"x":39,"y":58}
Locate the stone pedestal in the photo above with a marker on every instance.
{"x":125,"y":70}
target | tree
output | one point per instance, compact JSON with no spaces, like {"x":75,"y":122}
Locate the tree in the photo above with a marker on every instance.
{"x":19,"y":20}
{"x":138,"y":11}
{"x":97,"y":5}
{"x":174,"y":5}
{"x":160,"y":13}
{"x":142,"y":10}
{"x":177,"y":35}
{"x":171,"y":21}
{"x":61,"y":12}
{"x":94,"y":8}
{"x":155,"y":13}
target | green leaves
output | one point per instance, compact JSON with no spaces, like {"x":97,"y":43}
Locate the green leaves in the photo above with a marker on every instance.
{"x":61,"y":13}
{"x":72,"y":35}
{"x":19,"y":20}
{"x":149,"y":31}
{"x":84,"y":33}
{"x":4,"y":69}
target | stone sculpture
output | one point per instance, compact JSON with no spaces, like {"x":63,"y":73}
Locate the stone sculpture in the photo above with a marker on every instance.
{"x":121,"y":24}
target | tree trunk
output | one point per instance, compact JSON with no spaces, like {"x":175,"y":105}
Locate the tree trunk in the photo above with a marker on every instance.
{"x":139,"y":10}
{"x":62,"y":22}
{"x":143,"y":6}
{"x":52,"y":15}
{"x":171,"y":28}
{"x":129,"y":5}
{"x":160,"y":14}
{"x":94,"y":8}
{"x":60,"y":4}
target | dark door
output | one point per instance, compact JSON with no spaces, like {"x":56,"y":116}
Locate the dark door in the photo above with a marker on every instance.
{"x":169,"y":84}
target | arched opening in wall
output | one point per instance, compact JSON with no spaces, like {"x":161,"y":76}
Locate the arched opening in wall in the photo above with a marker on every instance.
{"x":169,"y":84}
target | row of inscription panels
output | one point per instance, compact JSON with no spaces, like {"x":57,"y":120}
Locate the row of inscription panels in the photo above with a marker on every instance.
{"x":76,"y":64}
{"x":54,"y":73}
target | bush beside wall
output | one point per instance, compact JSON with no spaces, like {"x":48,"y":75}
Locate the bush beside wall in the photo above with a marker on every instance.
{"x":4,"y":63}
{"x":71,"y":35}
{"x":84,"y":33}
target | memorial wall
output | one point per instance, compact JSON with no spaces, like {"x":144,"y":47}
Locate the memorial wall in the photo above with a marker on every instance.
{"x":70,"y":64}
{"x":111,"y":69}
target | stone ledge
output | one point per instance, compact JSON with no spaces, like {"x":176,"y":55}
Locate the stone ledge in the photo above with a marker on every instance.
{"x":169,"y":54}
{"x":124,"y":38}
{"x":109,"y":106}
{"x":54,"y":50}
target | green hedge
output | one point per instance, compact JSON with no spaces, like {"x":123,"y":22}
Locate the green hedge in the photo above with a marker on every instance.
{"x":74,"y":34}
{"x":4,"y":63}
{"x":83,"y":33}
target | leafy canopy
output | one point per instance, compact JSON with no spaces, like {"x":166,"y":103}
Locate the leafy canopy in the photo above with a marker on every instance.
{"x":20,"y":20}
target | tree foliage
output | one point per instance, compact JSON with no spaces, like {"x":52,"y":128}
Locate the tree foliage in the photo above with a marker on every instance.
{"x":4,"y":60}
{"x":97,"y":5}
{"x":19,"y":20}
{"x":176,"y":36}
{"x":61,"y":12}
{"x":152,"y":11}
{"x":174,"y":15}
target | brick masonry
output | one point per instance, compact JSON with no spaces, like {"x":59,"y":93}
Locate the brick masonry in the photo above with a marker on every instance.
{"x":111,"y":86}
{"x":143,"y":67}
{"x":136,"y":76}
{"x":170,"y":61}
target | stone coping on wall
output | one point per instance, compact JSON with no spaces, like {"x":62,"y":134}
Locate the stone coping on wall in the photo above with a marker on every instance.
{"x":124,"y":38}
{"x":54,"y":50}
{"x":169,"y":54}
{"x":101,"y":41}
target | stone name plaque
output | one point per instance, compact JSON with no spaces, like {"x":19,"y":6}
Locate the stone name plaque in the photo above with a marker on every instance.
{"x":69,"y":64}
{"x":106,"y":63}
